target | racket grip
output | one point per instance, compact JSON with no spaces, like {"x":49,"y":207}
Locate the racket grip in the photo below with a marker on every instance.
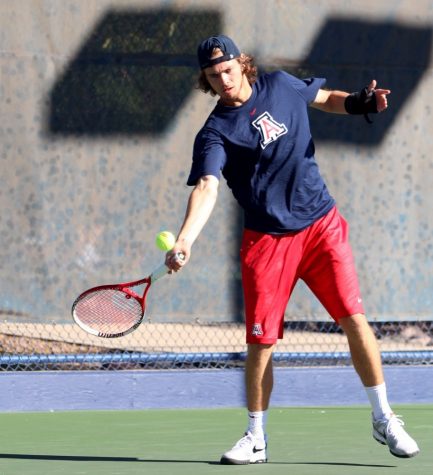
{"x":162,"y":270}
{"x":159,"y":272}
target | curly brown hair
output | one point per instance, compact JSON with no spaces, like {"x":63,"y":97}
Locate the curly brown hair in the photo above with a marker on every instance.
{"x":248,"y":68}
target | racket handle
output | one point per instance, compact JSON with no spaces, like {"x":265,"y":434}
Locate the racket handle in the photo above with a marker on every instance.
{"x":162,"y":270}
{"x":159,"y":272}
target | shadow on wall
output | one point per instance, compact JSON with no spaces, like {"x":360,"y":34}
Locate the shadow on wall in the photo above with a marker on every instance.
{"x":137,"y":68}
{"x":132,"y":74}
{"x":349,"y":53}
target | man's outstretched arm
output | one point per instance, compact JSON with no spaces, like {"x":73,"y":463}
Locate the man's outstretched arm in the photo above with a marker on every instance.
{"x":340,"y":102}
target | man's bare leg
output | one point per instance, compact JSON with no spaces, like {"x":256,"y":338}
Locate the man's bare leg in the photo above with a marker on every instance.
{"x":387,"y":427}
{"x":251,"y":448}
{"x":259,"y":376}
{"x":364,"y":349}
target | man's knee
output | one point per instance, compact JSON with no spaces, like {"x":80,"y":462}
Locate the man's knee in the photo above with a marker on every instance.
{"x":356,"y":326}
{"x":257,"y":351}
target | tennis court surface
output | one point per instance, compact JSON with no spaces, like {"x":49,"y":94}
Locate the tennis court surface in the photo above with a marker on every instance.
{"x":319,"y":440}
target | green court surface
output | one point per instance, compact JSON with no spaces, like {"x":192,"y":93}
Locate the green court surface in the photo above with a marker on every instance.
{"x":311,"y":441}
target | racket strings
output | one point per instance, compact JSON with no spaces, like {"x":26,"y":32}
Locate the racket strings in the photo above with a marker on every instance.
{"x":109,"y":311}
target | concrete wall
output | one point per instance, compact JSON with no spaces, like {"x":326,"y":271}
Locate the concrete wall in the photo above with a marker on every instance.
{"x":99,"y":113}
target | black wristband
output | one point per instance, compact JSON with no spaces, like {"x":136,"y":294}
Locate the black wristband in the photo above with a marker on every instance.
{"x":362,"y":102}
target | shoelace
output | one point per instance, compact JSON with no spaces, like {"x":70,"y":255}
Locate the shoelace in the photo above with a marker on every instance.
{"x":394,"y":425}
{"x":247,"y":439}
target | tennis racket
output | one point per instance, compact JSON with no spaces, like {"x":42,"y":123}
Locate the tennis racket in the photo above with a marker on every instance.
{"x":112,"y":311}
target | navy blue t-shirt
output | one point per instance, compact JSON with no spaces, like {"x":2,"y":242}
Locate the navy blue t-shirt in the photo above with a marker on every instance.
{"x":265,"y":151}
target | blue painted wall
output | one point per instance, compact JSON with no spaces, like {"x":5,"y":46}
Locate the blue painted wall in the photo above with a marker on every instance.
{"x":116,"y":390}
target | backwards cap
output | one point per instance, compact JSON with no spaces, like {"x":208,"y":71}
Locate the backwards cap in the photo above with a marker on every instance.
{"x":206,"y":47}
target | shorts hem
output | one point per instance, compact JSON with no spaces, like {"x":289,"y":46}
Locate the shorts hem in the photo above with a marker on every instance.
{"x":263,"y":341}
{"x":359,"y":311}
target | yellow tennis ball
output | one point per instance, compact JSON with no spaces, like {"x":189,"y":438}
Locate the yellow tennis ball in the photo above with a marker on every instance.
{"x":165,"y":240}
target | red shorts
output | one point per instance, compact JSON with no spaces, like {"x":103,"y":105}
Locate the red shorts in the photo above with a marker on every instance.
{"x":320,"y":255}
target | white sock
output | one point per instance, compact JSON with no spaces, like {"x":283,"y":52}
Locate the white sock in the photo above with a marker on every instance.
{"x":379,"y":401}
{"x":257,"y":423}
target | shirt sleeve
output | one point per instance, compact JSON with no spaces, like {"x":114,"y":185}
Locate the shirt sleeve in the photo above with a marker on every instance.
{"x":209,"y":156}
{"x":307,"y":88}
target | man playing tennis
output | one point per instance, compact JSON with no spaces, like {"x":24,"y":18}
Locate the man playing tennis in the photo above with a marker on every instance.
{"x":258,"y":137}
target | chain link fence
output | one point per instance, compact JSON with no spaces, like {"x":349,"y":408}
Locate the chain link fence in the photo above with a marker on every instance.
{"x":29,"y":346}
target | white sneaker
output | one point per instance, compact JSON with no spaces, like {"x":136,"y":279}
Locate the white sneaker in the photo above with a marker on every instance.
{"x":246,"y":450}
{"x":390,"y":432}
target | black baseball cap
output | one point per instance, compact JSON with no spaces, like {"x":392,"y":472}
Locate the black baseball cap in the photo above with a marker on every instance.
{"x":224,"y":43}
